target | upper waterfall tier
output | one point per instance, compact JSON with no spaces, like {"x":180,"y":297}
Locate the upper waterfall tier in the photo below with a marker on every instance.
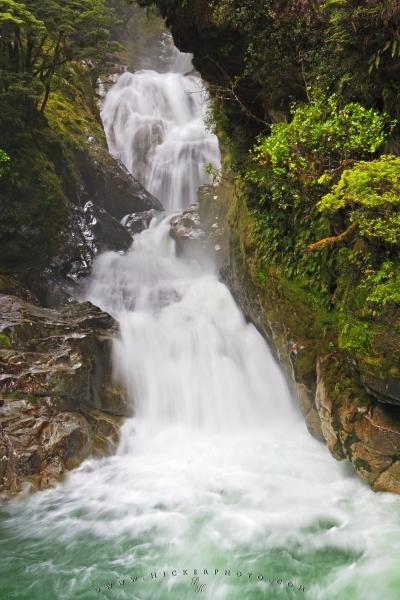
{"x":155,"y":124}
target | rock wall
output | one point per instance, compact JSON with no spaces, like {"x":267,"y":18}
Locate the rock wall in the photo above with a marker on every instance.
{"x":58,"y":401}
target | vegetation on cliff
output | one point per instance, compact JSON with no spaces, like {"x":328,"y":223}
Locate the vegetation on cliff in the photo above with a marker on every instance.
{"x":51,"y":53}
{"x":306,"y":99}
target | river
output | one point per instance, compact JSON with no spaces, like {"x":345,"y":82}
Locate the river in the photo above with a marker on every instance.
{"x":217,"y":490}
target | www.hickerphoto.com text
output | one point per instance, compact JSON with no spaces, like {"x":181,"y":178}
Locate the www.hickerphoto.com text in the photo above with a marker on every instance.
{"x":199,"y":578}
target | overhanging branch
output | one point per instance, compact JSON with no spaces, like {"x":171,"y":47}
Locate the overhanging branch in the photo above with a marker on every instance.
{"x":330,"y":241}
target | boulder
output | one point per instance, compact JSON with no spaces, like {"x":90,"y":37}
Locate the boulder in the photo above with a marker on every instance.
{"x":187,"y":230}
{"x":90,"y":231}
{"x":109,"y":185}
{"x":59,"y":402}
{"x":102,"y":200}
{"x":193,"y":239}
{"x":366,"y":433}
{"x":137,"y":222}
{"x":386,"y":391}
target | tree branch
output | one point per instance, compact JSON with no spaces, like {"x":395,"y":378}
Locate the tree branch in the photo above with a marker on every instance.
{"x":231,"y":91}
{"x":330,"y":241}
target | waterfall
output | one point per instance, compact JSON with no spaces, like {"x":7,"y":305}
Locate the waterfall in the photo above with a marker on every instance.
{"x":186,"y":354}
{"x":154,"y":124}
{"x":217,"y":490}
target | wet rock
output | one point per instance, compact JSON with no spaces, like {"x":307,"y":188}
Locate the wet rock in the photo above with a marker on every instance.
{"x":66,"y":353}
{"x":309,"y":411}
{"x":385,"y":391}
{"x":97,"y":198}
{"x":105,"y":430}
{"x":66,"y":436}
{"x":325,"y":407}
{"x":369,"y":463}
{"x":193,"y":240}
{"x":367,"y":434}
{"x":103,"y":231}
{"x":109,"y":185}
{"x":91,"y":231}
{"x":137,"y":222}
{"x":7,"y":463}
{"x":380,"y":431}
{"x":108,"y":193}
{"x":389,"y":480}
{"x":59,"y":402}
{"x":51,"y":473}
{"x":187,"y":231}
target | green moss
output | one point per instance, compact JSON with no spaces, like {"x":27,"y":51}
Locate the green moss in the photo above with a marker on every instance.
{"x":71,"y":110}
{"x":355,"y":336}
{"x":31,"y":398}
{"x":44,"y":174}
{"x":5,"y":341}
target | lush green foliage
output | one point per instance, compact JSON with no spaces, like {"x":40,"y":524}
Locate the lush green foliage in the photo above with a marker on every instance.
{"x":5,"y":341}
{"x":38,"y":38}
{"x":307,"y":151}
{"x":51,"y":52}
{"x":295,"y":165}
{"x":370,"y":194}
{"x":384,"y":285}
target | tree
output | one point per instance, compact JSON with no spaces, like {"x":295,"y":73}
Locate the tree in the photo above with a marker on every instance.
{"x":369,"y":195}
{"x":363,"y":39}
{"x":36,"y":43}
{"x":300,"y":158}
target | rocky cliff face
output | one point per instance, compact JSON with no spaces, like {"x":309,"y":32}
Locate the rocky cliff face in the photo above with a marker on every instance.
{"x":104,"y":199}
{"x":58,"y":401}
{"x":65,"y":197}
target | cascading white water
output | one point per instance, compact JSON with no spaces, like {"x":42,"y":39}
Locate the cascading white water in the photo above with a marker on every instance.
{"x":216,"y":481}
{"x":154,"y":124}
{"x":186,"y":354}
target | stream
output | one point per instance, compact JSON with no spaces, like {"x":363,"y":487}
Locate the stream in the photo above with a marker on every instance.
{"x":217,"y":489}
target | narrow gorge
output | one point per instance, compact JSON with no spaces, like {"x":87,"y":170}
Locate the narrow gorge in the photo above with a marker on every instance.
{"x":170,"y":412}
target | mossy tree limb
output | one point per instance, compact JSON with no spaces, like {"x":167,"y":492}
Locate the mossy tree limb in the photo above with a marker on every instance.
{"x":332,"y":240}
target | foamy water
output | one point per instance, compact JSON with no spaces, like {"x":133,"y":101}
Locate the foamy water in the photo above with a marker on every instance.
{"x":154,"y":124}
